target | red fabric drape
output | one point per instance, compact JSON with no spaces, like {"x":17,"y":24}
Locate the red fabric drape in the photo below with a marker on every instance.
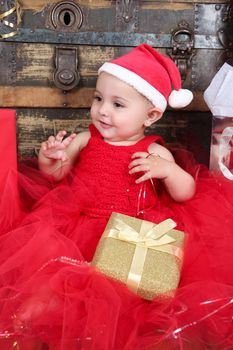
{"x":8,"y":153}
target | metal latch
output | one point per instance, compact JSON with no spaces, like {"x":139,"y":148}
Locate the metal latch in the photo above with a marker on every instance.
{"x":66,"y":75}
{"x":182,"y":52}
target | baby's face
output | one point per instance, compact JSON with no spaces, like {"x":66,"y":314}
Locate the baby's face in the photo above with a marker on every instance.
{"x":118,"y":111}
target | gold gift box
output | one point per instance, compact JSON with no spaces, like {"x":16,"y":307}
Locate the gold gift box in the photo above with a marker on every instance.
{"x":145,"y":256}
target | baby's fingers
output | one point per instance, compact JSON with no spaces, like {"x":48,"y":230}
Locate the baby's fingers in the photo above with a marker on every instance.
{"x":60,"y":135}
{"x":51,"y":141}
{"x":139,"y":155}
{"x":69,"y":139}
{"x":44,"y":146}
{"x":139,"y":168}
{"x":137,"y":162}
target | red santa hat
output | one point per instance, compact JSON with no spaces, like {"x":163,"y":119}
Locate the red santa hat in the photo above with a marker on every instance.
{"x":153,"y":75}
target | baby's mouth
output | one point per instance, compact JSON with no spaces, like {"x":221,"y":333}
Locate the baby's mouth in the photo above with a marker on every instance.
{"x":105,"y":125}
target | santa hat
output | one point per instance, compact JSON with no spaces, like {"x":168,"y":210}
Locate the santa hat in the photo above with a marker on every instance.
{"x":153,"y":75}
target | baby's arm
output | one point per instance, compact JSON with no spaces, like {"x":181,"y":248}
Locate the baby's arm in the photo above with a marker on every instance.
{"x":57,"y":155}
{"x":159,"y":163}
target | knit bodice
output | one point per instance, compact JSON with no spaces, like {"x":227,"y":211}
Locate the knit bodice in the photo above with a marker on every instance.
{"x":103,"y":169}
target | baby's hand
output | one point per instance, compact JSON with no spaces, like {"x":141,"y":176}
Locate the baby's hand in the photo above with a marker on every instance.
{"x":153,"y":166}
{"x":55,"y":147}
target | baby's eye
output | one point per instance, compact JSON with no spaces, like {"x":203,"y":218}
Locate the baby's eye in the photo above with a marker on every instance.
{"x":118,"y":105}
{"x":97,"y":98}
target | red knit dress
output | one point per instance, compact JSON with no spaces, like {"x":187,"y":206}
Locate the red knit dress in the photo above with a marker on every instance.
{"x":44,"y":259}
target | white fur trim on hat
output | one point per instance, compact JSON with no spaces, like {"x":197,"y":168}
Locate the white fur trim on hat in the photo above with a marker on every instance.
{"x":141,"y":85}
{"x":180,"y":98}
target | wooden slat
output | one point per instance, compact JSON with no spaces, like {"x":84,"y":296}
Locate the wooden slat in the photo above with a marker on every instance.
{"x":32,"y":97}
{"x":45,"y":97}
{"x":168,"y":5}
{"x":40,"y":4}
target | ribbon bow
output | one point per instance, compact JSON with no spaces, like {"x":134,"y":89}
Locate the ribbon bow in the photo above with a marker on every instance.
{"x":150,"y":235}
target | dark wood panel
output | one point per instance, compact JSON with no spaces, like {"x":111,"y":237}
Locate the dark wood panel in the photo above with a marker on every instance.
{"x":29,"y":64}
{"x":36,"y":125}
{"x":179,"y":129}
{"x":100,"y":16}
{"x":198,"y":135}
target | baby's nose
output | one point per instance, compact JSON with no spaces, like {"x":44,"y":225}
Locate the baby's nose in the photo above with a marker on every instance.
{"x":104,"y":109}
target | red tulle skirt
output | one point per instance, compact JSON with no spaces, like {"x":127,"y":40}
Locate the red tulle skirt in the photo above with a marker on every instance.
{"x":52,"y":298}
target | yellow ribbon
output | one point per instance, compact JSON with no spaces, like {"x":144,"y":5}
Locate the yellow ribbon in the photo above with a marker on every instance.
{"x":9,"y":24}
{"x":7,"y":13}
{"x":150,"y":235}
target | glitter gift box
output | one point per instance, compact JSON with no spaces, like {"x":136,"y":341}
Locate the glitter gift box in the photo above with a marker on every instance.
{"x":147,"y":257}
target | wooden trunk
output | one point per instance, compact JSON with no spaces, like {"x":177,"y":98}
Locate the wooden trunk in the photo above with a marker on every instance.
{"x":49,"y":67}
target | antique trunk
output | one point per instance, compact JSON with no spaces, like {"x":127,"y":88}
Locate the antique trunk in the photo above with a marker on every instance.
{"x":50,"y":52}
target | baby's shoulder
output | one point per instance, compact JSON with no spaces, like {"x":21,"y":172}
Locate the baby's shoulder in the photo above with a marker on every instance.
{"x":82,"y":138}
{"x":79,"y":142}
{"x":160,"y":150}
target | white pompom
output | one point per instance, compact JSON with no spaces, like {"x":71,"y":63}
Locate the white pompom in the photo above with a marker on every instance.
{"x":180,"y":98}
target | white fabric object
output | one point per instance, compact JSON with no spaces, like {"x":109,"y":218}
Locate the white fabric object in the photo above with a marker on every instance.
{"x":219,"y":94}
{"x":180,"y":98}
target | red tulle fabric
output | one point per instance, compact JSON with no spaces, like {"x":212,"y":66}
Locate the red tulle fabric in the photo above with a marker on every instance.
{"x":52,"y":298}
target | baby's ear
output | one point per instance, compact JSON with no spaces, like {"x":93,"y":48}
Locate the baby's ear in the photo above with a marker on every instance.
{"x":153,"y":115}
